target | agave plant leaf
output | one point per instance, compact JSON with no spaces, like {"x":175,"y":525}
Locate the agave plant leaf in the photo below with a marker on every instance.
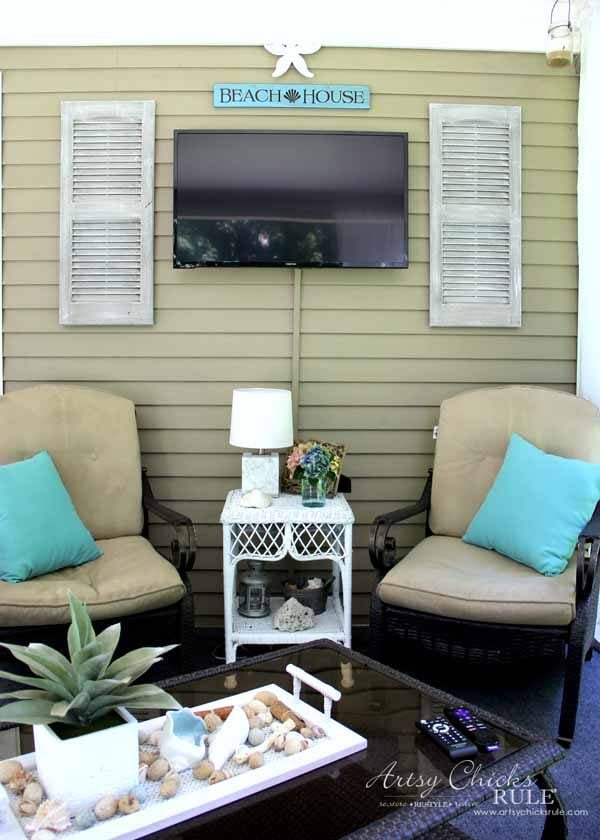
{"x":51,"y":686}
{"x":108,"y":639}
{"x":28,"y":694}
{"x":81,"y":631}
{"x":93,"y":669}
{"x":28,"y":711}
{"x":97,"y":688}
{"x":45,"y":662}
{"x":80,"y":701}
{"x":135,"y":697}
{"x":136,"y":662}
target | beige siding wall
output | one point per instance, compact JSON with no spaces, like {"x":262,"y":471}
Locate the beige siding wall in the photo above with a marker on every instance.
{"x":372,"y":373}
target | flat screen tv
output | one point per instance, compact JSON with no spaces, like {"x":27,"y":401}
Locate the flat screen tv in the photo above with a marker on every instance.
{"x":290,"y":198}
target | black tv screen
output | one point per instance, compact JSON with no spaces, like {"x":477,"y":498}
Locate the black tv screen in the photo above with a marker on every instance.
{"x":301,"y":198}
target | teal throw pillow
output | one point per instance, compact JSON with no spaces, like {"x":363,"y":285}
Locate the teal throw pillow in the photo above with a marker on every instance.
{"x":536,"y":507}
{"x":40,"y":530}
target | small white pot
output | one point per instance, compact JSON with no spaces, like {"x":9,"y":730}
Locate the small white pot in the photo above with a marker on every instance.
{"x":80,"y":771}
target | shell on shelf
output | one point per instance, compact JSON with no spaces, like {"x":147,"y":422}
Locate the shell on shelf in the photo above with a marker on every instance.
{"x":203,"y":770}
{"x":170,"y":785}
{"x":256,"y":499}
{"x":128,"y":804}
{"x":157,"y":770}
{"x":228,"y":737}
{"x":266,"y":697}
{"x":182,"y":741}
{"x":52,"y":815}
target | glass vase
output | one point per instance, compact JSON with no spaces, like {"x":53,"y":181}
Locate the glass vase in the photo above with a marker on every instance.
{"x":314,"y":491}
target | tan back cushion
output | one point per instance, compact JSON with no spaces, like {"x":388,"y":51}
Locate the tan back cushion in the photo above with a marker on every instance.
{"x":474,"y":430}
{"x":92,"y":438}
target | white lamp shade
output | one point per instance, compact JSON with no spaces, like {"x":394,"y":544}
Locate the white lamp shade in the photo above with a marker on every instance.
{"x":261,"y":418}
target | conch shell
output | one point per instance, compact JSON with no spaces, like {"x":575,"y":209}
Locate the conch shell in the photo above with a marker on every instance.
{"x":228,"y":737}
{"x":52,"y":815}
{"x":182,"y":741}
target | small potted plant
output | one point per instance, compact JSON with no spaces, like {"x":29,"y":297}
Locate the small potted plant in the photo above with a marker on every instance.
{"x":86,"y":742}
{"x":317,"y":467}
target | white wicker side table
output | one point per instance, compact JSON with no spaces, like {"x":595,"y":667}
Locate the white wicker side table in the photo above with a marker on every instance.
{"x":270,"y":534}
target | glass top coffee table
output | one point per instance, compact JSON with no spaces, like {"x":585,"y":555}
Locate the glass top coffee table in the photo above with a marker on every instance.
{"x":401,"y":786}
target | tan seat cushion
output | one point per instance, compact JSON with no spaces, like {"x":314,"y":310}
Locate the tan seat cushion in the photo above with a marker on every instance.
{"x":473,"y":433}
{"x":444,"y":576}
{"x":93,"y":440}
{"x":130,"y":577}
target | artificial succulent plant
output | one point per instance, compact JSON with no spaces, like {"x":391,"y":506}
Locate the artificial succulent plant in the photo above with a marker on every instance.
{"x":87,"y":686}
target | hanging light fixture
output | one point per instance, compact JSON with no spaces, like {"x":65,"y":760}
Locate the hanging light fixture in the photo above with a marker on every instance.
{"x":559,"y":47}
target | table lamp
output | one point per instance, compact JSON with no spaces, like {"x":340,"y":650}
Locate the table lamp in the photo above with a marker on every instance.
{"x":261,"y":418}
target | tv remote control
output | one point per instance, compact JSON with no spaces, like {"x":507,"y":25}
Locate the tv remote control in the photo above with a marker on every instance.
{"x":446,"y":736}
{"x":483,"y":736}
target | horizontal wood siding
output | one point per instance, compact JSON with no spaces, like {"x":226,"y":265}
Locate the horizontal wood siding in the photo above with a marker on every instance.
{"x":372,"y":372}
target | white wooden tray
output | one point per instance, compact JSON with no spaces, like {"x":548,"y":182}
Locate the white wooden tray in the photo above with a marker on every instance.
{"x":197,"y":797}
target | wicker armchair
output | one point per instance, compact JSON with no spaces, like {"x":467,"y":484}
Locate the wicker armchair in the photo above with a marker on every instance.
{"x":93,"y":439}
{"x":459,"y":601}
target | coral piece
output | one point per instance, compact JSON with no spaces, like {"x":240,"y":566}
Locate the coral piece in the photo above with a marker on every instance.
{"x":170,"y":785}
{"x":8,"y":769}
{"x":256,"y":737}
{"x":85,"y":819}
{"x":139,"y":791}
{"x":293,"y":617}
{"x":266,"y":697}
{"x":52,"y":815}
{"x":158,"y":769}
{"x":219,"y":776}
{"x":255,"y":760}
{"x":228,"y":738}
{"x":241,"y":755}
{"x":19,"y":780}
{"x":203,"y":770}
{"x":256,"y":499}
{"x":183,"y":738}
{"x":106,"y":807}
{"x":128,"y":804}
{"x":147,"y":757}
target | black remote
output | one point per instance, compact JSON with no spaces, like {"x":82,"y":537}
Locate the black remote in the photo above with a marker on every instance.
{"x":446,"y":736}
{"x":483,"y":736}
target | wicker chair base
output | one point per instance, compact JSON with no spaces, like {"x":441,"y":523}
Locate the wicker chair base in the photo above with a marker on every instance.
{"x":470,"y":642}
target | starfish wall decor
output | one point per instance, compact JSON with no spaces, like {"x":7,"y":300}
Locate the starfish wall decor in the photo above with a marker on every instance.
{"x":291,"y":56}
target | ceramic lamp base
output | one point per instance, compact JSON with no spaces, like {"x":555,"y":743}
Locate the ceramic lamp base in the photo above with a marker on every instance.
{"x":261,"y":472}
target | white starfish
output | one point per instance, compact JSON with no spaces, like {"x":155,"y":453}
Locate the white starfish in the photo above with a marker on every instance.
{"x":291,"y":56}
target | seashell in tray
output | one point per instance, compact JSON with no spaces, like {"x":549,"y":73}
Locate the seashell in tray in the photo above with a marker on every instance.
{"x":228,"y":737}
{"x":182,"y":741}
{"x":52,"y":815}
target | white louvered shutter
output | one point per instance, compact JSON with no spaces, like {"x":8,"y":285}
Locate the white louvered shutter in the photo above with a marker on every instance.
{"x":107,"y":213}
{"x":475,"y":215}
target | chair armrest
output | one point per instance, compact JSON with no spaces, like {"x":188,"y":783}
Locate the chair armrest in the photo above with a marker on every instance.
{"x":588,"y":551}
{"x":382,"y":547}
{"x":183,"y":539}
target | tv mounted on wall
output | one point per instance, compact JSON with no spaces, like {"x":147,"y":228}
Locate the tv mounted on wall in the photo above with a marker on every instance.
{"x":290,"y":198}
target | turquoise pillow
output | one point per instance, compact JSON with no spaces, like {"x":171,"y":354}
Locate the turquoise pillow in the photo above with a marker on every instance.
{"x":40,"y":530}
{"x":536,"y":507}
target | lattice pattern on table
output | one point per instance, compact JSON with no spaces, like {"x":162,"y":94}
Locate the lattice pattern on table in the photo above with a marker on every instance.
{"x":310,"y":539}
{"x":263,"y":540}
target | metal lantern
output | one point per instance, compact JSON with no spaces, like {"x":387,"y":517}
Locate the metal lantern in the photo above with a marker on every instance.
{"x":254,"y":591}
{"x":559,"y":47}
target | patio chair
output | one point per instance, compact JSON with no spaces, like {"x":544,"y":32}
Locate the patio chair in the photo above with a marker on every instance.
{"x":470,"y":604}
{"x":93,"y":440}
